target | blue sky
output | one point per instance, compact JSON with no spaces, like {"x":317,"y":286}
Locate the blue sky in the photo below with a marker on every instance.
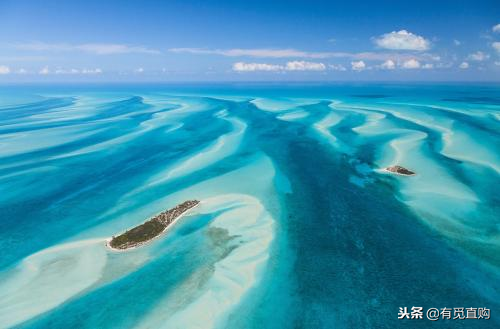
{"x":249,"y":40}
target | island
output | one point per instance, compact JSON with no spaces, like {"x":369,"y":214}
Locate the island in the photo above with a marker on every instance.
{"x":400,"y":171}
{"x":150,"y":229}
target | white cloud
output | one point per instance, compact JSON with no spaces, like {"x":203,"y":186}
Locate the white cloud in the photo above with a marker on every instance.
{"x":304,"y":66}
{"x":464,"y":65}
{"x":358,"y":66}
{"x":478,"y":56}
{"x":4,"y":69}
{"x":456,"y":42}
{"x":251,"y":67}
{"x":428,"y":66}
{"x":139,"y":70}
{"x":388,"y":65}
{"x":497,"y":63}
{"x":93,"y":48}
{"x":445,"y":65}
{"x":411,"y":64}
{"x":402,"y":40}
{"x":496,"y":46}
{"x":64,"y":71}
{"x":91,"y":71}
{"x":337,"y":67}
{"x":289,"y":66}
{"x":22,"y":71}
{"x":496,"y":28}
{"x":44,"y":70}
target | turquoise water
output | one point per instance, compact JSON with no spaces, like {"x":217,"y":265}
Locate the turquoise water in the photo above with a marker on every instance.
{"x":299,"y":226}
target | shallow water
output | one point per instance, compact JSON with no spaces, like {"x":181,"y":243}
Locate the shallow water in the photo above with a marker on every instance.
{"x":299,"y":226}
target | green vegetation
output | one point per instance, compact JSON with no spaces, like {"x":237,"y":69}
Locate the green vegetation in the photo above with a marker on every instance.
{"x":150,"y":229}
{"x":138,"y":234}
{"x":400,"y":170}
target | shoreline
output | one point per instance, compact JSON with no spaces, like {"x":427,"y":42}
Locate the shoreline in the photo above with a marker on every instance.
{"x":140,"y":244}
{"x":396,"y":173}
{"x":398,"y":170}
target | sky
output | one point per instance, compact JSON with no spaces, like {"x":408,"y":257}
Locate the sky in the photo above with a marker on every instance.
{"x":233,"y":40}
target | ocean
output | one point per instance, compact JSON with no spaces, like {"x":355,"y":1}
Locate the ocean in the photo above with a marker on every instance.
{"x":299,"y":224}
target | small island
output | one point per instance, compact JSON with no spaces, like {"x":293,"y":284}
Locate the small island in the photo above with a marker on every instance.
{"x":400,"y":171}
{"x":150,"y":229}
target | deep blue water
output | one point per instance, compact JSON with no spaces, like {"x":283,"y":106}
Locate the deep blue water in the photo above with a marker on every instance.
{"x":299,"y":227}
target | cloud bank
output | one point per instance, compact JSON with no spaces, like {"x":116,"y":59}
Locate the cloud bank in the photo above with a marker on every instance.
{"x":304,"y":66}
{"x":293,"y":53}
{"x":411,"y":64}
{"x":478,"y":56}
{"x":388,"y":65}
{"x":496,"y":46}
{"x":251,"y":67}
{"x":4,"y":69}
{"x":289,"y":66}
{"x":358,"y":66}
{"x":402,"y":40}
